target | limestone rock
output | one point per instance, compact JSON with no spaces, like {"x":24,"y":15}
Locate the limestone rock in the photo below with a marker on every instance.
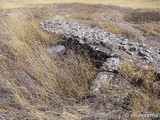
{"x":111,"y":65}
{"x":56,"y":50}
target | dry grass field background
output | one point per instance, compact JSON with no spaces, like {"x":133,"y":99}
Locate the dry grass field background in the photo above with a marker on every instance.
{"x":35,"y":86}
{"x":8,"y":4}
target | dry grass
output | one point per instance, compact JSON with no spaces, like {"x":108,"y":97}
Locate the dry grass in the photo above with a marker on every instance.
{"x":141,"y":76}
{"x":5,"y":4}
{"x":129,"y":23}
{"x":143,"y":15}
{"x":94,"y":16}
{"x":116,"y":28}
{"x":152,"y":29}
{"x":30,"y":77}
{"x":146,"y":95}
{"x":33,"y":85}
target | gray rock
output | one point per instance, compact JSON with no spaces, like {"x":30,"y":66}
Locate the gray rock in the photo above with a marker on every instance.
{"x":101,"y":41}
{"x":111,"y":65}
{"x":145,"y":55}
{"x":47,"y":26}
{"x":133,"y":49}
{"x":56,"y":50}
{"x":102,"y":78}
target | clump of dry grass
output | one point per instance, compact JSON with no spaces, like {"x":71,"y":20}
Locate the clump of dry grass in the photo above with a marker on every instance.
{"x":80,"y":70}
{"x":152,"y":29}
{"x":116,"y":28}
{"x":143,"y":102}
{"x":140,"y":76}
{"x":146,"y":95}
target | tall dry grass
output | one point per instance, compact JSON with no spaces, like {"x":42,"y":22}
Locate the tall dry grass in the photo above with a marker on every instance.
{"x":147,"y":93}
{"x":30,"y":77}
{"x":33,"y":85}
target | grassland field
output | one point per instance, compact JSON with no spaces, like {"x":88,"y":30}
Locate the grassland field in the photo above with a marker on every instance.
{"x":154,"y":4}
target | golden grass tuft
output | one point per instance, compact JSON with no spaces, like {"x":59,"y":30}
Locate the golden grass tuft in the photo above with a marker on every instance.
{"x":152,"y":29}
{"x":145,"y":96}
{"x":116,"y":28}
{"x":140,"y":76}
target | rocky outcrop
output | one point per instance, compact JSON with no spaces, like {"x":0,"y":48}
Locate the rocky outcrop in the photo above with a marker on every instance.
{"x":111,"y":50}
{"x":106,"y":43}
